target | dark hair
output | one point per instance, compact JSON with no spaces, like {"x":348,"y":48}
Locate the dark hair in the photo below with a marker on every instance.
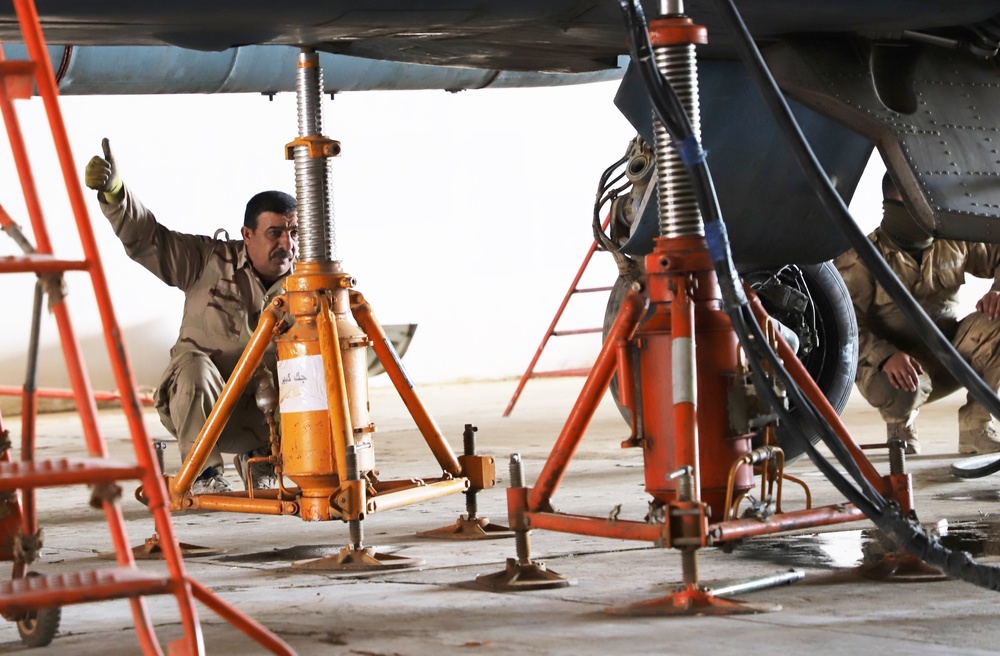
{"x":889,"y":189}
{"x":267,"y":201}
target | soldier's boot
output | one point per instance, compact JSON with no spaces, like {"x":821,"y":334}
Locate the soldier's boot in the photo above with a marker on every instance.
{"x":905,"y":432}
{"x":979,"y":440}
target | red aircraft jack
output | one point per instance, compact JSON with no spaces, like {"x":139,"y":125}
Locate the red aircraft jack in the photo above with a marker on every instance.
{"x":677,"y":359}
{"x":667,"y":308}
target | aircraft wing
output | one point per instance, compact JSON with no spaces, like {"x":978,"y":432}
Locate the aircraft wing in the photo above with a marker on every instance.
{"x":886,"y":72}
{"x":527,"y":35}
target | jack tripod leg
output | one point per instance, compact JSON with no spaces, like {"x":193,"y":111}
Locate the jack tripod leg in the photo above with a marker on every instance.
{"x":521,"y":573}
{"x":194,"y":464}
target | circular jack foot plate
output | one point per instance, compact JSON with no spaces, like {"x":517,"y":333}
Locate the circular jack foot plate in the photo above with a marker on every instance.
{"x":151,"y":549}
{"x":469,"y":529}
{"x":531,"y":576}
{"x":358,"y":560}
{"x":693,"y":601}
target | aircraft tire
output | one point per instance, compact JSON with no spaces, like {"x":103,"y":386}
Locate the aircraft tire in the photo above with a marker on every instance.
{"x":832,"y":362}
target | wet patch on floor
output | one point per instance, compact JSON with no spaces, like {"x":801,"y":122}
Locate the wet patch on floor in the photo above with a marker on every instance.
{"x":831,"y":550}
{"x":864,"y":547}
{"x":979,"y":537}
{"x":983,"y":495}
{"x":299,"y":552}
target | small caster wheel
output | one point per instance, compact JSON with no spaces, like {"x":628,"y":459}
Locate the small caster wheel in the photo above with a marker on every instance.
{"x":38,"y":627}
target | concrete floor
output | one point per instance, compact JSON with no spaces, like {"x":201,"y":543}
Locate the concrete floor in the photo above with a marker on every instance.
{"x":433,"y":609}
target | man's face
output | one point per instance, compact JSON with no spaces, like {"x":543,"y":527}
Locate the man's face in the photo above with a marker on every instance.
{"x":272,"y":246}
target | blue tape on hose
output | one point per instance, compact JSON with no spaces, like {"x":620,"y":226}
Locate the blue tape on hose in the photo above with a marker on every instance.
{"x":691,"y":152}
{"x":717,"y":240}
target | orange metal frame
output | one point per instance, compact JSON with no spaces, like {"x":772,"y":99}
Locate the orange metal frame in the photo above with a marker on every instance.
{"x":145,"y":398}
{"x":313,"y":448}
{"x":326,"y":441}
{"x":679,"y":297}
{"x":16,"y":596}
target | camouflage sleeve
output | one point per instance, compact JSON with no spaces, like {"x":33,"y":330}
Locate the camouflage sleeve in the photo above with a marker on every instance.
{"x":983,"y":261}
{"x":175,"y":258}
{"x":861,"y":286}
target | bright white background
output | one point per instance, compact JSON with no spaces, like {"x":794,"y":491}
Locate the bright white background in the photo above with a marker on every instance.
{"x":468,"y":214}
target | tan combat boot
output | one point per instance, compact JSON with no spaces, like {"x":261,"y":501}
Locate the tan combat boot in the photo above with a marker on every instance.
{"x":979,"y":440}
{"x":905,"y":432}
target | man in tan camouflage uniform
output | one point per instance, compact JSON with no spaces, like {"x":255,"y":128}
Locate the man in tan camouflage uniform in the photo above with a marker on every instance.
{"x":896,"y":372}
{"x":226,"y":285}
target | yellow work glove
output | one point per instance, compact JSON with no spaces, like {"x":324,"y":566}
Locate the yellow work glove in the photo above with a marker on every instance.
{"x":102,"y":174}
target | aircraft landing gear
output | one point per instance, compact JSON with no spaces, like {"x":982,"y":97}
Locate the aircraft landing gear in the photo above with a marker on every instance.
{"x":683,"y":383}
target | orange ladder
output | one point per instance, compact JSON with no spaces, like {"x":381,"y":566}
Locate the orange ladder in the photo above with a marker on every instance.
{"x":552,"y":332}
{"x":26,"y":597}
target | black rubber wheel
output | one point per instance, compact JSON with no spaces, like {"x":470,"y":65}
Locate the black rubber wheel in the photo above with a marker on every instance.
{"x":39,"y":627}
{"x":833,"y":361}
{"x":832,"y":358}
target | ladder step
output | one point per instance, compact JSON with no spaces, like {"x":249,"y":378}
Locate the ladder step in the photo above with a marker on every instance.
{"x":65,"y":471}
{"x":40,"y":263}
{"x":18,"y":77}
{"x":559,"y":373}
{"x":578,"y":331}
{"x":54,"y":590}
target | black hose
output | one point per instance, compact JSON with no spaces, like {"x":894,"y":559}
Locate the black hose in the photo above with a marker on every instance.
{"x":908,"y":534}
{"x":624,"y":262}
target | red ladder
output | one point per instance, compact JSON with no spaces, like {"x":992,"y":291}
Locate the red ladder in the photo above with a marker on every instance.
{"x":552,"y":332}
{"x":26,"y":598}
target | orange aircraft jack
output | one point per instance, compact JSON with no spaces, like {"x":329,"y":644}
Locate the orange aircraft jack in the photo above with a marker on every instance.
{"x":325,"y":444}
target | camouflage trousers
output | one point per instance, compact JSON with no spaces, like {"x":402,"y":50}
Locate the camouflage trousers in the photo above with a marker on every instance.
{"x":976,"y":340}
{"x":191,"y":386}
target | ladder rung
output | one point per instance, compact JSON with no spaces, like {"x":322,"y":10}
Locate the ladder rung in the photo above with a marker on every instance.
{"x":65,"y":471}
{"x":54,"y":590}
{"x":38,"y":263}
{"x":578,"y":331}
{"x":559,"y":373}
{"x":18,"y":77}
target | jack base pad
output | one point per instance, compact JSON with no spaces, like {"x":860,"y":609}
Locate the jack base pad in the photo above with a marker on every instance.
{"x":515,"y":577}
{"x":350,"y":559}
{"x":152,"y":550}
{"x":901,"y":568}
{"x":692,"y":600}
{"x":468,"y":529}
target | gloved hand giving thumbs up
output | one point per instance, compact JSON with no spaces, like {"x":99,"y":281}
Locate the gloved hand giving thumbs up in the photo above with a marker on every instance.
{"x":102,"y":174}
